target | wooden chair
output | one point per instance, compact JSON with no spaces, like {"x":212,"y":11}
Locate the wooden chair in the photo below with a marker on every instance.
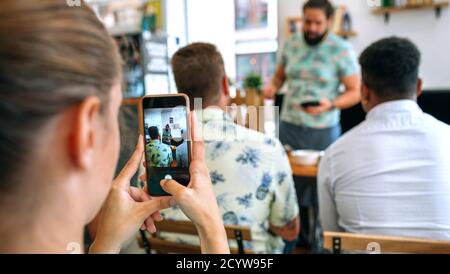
{"x":156,"y":243}
{"x":357,"y":243}
{"x":251,"y":98}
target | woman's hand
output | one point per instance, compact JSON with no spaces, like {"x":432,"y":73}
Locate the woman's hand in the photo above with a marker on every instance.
{"x":198,"y":200}
{"x":126,"y":209}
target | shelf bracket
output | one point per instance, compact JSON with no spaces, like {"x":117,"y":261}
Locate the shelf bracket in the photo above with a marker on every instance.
{"x":438,"y":12}
{"x":387,"y":16}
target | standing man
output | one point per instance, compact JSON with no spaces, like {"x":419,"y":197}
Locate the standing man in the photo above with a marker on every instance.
{"x":315,"y":66}
{"x":167,"y":135}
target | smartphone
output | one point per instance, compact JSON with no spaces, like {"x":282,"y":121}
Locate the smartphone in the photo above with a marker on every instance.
{"x":165,"y":126}
{"x":310,"y":104}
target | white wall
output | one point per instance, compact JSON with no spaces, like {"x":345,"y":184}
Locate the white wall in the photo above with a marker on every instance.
{"x":179,"y":118}
{"x":176,"y":21}
{"x":287,"y":8}
{"x":175,"y":28}
{"x":213,"y":21}
{"x":160,"y":118}
{"x":431,"y":35}
{"x":153,"y":119}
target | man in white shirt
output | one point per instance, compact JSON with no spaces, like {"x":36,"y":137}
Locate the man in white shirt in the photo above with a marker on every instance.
{"x":391,"y":174}
{"x":250,"y":172}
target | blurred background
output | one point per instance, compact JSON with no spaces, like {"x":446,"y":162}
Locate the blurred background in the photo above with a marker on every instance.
{"x":250,"y":35}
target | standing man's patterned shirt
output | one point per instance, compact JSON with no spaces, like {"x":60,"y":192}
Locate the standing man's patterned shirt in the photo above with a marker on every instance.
{"x":315,"y":73}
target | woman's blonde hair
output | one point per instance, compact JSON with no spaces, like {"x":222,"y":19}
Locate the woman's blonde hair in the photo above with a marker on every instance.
{"x":52,"y":56}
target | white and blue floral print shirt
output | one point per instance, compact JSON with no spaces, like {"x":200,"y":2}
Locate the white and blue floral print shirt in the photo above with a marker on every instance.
{"x":252,"y":180}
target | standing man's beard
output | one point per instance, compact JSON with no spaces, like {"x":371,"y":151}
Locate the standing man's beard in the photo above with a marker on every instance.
{"x":314,"y":41}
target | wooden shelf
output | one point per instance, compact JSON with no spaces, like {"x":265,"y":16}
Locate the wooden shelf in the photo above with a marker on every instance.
{"x":293,"y":25}
{"x":388,"y":10}
{"x":411,"y":7}
{"x":346,"y":34}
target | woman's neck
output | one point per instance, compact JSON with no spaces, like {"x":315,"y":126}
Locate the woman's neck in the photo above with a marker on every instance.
{"x":32,"y":230}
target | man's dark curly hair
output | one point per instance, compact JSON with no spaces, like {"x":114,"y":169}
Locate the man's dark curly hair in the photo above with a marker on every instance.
{"x":390,"y":67}
{"x":324,"y":5}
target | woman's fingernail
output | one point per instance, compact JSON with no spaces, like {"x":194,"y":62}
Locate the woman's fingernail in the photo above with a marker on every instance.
{"x":165,"y":180}
{"x":172,"y":202}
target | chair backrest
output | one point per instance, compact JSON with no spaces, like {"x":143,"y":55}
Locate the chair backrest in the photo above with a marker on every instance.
{"x":251,"y":98}
{"x":348,"y":242}
{"x":248,"y":110}
{"x":237,"y":233}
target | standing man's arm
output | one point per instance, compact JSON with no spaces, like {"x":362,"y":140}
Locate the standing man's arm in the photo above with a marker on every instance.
{"x":279,"y":78}
{"x":349,"y":75}
{"x":352,"y":94}
{"x":277,"y":82}
{"x":350,"y":97}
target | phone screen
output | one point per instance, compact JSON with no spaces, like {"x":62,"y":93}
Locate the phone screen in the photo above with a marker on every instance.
{"x":166,"y":132}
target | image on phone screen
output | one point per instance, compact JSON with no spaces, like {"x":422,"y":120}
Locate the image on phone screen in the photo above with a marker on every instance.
{"x":167,"y":145}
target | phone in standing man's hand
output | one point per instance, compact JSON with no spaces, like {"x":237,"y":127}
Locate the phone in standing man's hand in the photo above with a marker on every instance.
{"x":310,"y":104}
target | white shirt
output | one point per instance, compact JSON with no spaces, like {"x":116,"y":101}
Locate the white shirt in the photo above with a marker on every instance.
{"x":389,"y":176}
{"x":252,"y":180}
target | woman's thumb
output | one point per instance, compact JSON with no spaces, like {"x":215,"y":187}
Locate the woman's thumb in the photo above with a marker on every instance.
{"x":171,"y":187}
